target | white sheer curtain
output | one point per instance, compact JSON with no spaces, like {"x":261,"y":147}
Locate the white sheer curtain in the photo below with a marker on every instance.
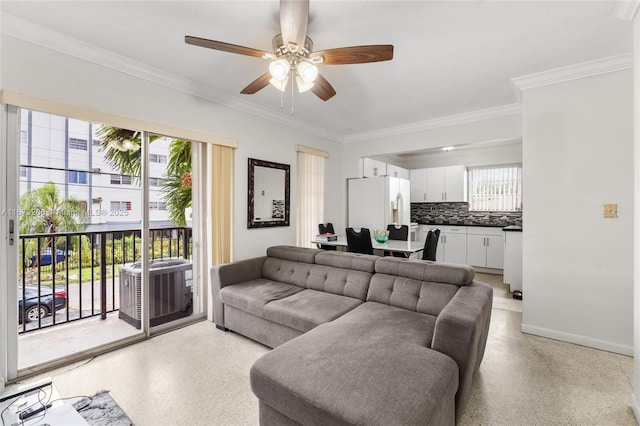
{"x":310,"y":211}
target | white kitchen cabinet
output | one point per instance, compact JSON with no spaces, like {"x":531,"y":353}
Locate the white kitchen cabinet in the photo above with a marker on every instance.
{"x":435,"y":185}
{"x":485,"y":247}
{"x":373,"y":168}
{"x":455,"y":188}
{"x":418,"y":186}
{"x":513,"y":260}
{"x":398,"y":172}
{"x":452,"y":246}
{"x":438,"y":184}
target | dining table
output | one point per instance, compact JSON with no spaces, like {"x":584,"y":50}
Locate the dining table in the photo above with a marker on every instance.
{"x":396,"y":246}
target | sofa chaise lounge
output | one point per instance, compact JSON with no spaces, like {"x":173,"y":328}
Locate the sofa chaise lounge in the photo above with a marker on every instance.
{"x":358,"y":339}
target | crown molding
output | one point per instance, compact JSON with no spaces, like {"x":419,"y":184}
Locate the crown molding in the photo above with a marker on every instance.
{"x":626,"y":9}
{"x":36,"y":34}
{"x":450,"y":120}
{"x":573,"y":72}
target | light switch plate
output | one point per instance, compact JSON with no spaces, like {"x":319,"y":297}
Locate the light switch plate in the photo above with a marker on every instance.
{"x":610,"y":211}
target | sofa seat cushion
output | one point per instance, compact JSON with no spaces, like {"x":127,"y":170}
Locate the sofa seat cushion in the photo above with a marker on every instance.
{"x":308,"y":309}
{"x":389,"y":324}
{"x":332,"y":375}
{"x":252,"y":296}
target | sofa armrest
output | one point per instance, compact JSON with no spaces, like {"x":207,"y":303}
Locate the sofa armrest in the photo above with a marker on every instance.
{"x":461,"y":332}
{"x":230,"y":274}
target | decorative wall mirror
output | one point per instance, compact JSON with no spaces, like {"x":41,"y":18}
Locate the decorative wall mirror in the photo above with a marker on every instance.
{"x":268,"y":201}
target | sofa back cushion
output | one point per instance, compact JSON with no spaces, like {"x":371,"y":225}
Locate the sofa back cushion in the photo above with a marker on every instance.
{"x":345,"y":282}
{"x":345,"y":274}
{"x":296,"y":254}
{"x":426,"y":270}
{"x":346,"y":260}
{"x":420,"y":286}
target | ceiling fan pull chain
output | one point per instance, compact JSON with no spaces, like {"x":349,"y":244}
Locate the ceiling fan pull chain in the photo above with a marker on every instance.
{"x":282,"y":98}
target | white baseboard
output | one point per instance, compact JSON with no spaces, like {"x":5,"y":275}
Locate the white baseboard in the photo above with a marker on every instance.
{"x":635,"y":407}
{"x":578,"y":339}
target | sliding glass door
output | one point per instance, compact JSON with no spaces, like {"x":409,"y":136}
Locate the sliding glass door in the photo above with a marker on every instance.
{"x":9,"y":130}
{"x":102,"y":247}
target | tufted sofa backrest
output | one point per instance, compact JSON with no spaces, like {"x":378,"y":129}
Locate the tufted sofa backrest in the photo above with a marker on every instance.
{"x":346,"y":274}
{"x":416,"y":285}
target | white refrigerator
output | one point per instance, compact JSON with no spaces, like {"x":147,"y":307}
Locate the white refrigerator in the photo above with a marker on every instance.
{"x":376,"y":202}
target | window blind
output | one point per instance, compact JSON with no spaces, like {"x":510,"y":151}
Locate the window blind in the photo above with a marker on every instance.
{"x":495,"y":188}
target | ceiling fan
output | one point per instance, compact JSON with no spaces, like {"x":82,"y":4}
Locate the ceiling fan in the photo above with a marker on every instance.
{"x":293,"y":54}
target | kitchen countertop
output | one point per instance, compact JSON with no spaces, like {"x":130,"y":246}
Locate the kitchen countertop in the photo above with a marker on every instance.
{"x":515,"y":228}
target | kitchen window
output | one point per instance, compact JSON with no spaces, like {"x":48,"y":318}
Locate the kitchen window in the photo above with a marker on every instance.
{"x":495,"y":188}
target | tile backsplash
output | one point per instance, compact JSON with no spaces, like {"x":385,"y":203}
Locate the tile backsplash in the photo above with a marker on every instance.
{"x":459,"y":214}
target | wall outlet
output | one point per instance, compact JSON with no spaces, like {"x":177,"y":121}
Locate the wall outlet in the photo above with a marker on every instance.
{"x":610,"y":211}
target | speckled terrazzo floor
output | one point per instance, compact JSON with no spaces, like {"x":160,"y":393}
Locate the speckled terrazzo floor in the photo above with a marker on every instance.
{"x":200,"y":376}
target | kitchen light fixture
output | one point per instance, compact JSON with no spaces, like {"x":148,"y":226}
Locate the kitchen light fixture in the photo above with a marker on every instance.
{"x":447,"y":148}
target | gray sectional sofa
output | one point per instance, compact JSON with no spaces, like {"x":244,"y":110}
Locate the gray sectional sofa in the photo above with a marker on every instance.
{"x":357,"y":339}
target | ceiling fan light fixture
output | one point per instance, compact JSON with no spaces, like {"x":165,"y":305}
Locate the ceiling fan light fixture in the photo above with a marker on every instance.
{"x":281,"y":85}
{"x":303,"y":86}
{"x":307,"y":72}
{"x":279,"y":69}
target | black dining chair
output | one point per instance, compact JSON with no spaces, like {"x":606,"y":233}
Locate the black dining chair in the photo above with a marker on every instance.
{"x":326,"y":229}
{"x":431,"y":245}
{"x":400,"y":233}
{"x":359,"y":242}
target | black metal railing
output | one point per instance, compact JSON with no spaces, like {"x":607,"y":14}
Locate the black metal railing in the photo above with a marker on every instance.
{"x":70,"y":276}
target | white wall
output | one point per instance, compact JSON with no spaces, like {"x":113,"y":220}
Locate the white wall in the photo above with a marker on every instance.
{"x":481,"y":156}
{"x":578,"y":266}
{"x":40,"y":72}
{"x":635,"y":397}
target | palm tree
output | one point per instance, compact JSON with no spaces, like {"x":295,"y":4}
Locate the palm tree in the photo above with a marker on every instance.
{"x":122,"y":152}
{"x":177,"y":185}
{"x":45,"y":212}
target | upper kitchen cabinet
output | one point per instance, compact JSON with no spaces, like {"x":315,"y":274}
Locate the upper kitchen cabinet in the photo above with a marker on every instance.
{"x":396,"y":171}
{"x":373,"y":168}
{"x":438,"y":184}
{"x":418,"y":185}
{"x":446,"y":184}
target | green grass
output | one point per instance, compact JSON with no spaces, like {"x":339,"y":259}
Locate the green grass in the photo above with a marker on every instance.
{"x":74,"y":274}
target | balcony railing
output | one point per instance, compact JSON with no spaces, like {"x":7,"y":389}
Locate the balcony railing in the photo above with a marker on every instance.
{"x":69,"y":276}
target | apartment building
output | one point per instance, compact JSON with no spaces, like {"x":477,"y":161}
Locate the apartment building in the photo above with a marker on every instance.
{"x":69,"y":153}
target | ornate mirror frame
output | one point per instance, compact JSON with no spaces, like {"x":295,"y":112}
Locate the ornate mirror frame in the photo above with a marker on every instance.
{"x":252,"y":221}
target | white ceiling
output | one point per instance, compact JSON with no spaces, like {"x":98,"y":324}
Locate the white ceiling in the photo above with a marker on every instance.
{"x":451,"y":57}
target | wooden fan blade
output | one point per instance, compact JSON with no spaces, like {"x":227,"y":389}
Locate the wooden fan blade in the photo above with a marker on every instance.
{"x":355,"y":54}
{"x":257,"y":84}
{"x":294,"y":17}
{"x":225,"y":47}
{"x":323,"y":89}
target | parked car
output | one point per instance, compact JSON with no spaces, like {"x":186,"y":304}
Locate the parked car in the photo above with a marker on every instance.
{"x":45,"y":257}
{"x":29,"y":306}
